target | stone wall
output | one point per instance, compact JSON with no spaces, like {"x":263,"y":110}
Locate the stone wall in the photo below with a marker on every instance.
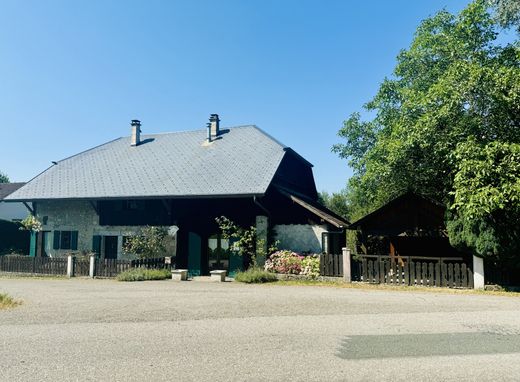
{"x":78,"y":216}
{"x":299,"y":237}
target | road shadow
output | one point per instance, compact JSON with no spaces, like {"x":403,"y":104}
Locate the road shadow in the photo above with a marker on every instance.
{"x":425,"y":345}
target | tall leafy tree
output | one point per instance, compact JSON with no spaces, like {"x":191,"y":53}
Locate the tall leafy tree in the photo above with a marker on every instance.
{"x":485,"y":214}
{"x":452,"y":83}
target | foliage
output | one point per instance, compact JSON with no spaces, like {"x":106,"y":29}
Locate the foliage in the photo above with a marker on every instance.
{"x":336,"y":202}
{"x":31,"y":223}
{"x":311,"y":266}
{"x":244,"y":239}
{"x":143,"y":274}
{"x":7,"y":301}
{"x":3,"y":178}
{"x":507,"y":13}
{"x":284,"y":261}
{"x":486,"y":208}
{"x":453,"y":82}
{"x":255,"y":275}
{"x":150,"y":243}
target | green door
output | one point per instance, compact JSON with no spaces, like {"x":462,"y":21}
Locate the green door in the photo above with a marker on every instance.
{"x":194,"y":254}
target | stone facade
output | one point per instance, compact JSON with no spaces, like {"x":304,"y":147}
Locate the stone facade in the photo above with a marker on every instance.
{"x":78,"y":216}
{"x":300,"y":237}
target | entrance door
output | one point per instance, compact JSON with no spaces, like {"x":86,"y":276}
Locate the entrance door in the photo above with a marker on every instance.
{"x":110,"y":247}
{"x":194,"y":254}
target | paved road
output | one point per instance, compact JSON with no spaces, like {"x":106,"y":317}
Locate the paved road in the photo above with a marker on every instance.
{"x":102,"y":330}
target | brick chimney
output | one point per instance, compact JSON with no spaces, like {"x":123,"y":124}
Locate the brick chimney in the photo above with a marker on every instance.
{"x":214,"y":125}
{"x":136,"y":132}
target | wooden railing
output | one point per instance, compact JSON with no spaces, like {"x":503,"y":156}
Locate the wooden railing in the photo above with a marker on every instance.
{"x":331,"y":265}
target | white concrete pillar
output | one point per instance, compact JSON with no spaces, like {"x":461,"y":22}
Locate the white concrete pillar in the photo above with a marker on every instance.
{"x":92,"y":268}
{"x":478,"y":272}
{"x":261,"y":239}
{"x":347,"y":277}
{"x":70,"y":265}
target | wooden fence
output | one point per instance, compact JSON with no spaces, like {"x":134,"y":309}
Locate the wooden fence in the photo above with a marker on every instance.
{"x":331,"y":265}
{"x":81,"y":265}
{"x":425,"y":271}
{"x":36,"y":265}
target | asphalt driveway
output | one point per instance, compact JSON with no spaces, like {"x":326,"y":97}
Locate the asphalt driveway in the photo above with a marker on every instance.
{"x":103,"y":330}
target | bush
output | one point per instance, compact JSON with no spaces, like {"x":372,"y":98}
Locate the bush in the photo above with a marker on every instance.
{"x":7,"y":301}
{"x":311,"y":266}
{"x":284,"y":261}
{"x":255,"y":275}
{"x":143,"y":274}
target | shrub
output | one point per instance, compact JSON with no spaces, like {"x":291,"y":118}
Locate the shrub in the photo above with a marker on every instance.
{"x":255,"y":275}
{"x":7,"y":301}
{"x":284,"y":261}
{"x":142,"y":274}
{"x":311,"y":266}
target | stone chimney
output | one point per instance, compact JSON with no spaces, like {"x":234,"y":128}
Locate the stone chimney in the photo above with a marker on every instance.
{"x":214,"y":125}
{"x":136,"y":132}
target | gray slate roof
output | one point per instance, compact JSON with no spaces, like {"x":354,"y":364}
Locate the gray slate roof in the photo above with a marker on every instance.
{"x":242,"y":161}
{"x":8,"y":188}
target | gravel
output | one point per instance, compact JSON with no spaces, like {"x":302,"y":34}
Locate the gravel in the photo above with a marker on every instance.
{"x":103,"y":330}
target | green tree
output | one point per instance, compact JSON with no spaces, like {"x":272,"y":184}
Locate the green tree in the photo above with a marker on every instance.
{"x":3,"y":178}
{"x":336,"y":202}
{"x":452,"y":83}
{"x":507,"y":13}
{"x":485,"y":213}
{"x":150,"y":243}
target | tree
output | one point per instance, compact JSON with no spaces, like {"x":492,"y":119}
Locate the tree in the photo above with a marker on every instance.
{"x":454,"y":90}
{"x":452,"y":83}
{"x":3,"y":178}
{"x":149,"y":244}
{"x":336,"y":202}
{"x":485,"y":213}
{"x":507,"y":13}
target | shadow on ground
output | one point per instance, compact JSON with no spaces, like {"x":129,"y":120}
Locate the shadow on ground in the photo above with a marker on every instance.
{"x":424,"y":345}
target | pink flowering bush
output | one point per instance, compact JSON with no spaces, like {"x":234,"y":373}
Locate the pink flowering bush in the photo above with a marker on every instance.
{"x":284,"y":261}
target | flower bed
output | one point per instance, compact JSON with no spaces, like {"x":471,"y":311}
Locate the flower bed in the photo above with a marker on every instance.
{"x":291,"y":263}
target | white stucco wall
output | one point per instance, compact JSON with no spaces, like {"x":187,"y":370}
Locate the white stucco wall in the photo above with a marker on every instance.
{"x":299,"y":237}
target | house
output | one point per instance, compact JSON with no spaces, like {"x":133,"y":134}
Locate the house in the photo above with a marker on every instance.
{"x":95,"y":199}
{"x":409,"y":225}
{"x":11,"y":211}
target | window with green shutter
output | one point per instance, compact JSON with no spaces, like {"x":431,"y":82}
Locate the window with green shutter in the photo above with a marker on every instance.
{"x":65,"y":240}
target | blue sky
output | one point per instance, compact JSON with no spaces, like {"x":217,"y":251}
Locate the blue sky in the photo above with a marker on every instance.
{"x":73,"y":74}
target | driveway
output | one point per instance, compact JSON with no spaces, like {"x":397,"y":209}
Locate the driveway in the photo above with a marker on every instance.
{"x":103,"y":330}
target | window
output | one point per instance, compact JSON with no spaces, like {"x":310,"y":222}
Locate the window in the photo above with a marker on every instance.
{"x":66,"y":240}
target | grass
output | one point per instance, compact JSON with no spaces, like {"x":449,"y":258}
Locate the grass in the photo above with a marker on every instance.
{"x":7,"y":301}
{"x":143,"y":274}
{"x":255,"y":276}
{"x":386,"y":287}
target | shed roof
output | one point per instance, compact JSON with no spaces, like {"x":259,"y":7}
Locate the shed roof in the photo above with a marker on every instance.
{"x":242,"y":161}
{"x":8,"y":188}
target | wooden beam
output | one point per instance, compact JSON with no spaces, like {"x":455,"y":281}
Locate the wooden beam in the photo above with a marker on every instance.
{"x":31,"y":210}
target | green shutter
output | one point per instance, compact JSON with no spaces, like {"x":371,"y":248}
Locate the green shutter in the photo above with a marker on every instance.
{"x":74,"y":240}
{"x":56,"y":243}
{"x":96,"y":244}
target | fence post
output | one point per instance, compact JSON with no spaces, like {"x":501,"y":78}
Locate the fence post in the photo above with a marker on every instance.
{"x":92,"y":268}
{"x":347,"y":277}
{"x":478,"y":272}
{"x":70,"y":265}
